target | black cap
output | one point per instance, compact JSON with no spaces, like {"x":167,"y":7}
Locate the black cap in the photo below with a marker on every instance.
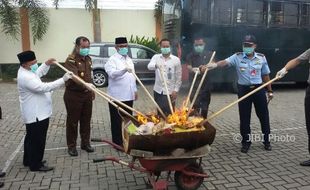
{"x":26,"y":56}
{"x":249,"y":38}
{"x":121,"y":40}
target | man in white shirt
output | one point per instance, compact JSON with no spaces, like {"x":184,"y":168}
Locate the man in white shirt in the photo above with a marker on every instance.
{"x":170,"y":66}
{"x":36,"y":107}
{"x":122,"y":85}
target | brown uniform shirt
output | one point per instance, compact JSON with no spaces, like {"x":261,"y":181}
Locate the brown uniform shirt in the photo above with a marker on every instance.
{"x":80,"y":67}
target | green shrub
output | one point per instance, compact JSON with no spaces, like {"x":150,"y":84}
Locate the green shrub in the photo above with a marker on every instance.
{"x":150,"y":43}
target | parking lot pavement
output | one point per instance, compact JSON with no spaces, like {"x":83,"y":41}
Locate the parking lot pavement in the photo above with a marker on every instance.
{"x":226,"y":166}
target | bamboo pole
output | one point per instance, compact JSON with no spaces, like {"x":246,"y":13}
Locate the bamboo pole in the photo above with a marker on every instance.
{"x":166,"y":87}
{"x":200,"y":84}
{"x":149,"y":95}
{"x":239,"y":100}
{"x":98,"y":92}
{"x":191,"y":89}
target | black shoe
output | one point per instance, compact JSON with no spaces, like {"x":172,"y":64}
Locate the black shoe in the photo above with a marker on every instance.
{"x":245,"y":148}
{"x":43,"y":162}
{"x":72,"y":152}
{"x":267,"y":147}
{"x":2,"y":174}
{"x":43,"y":169}
{"x":305,"y":163}
{"x":1,"y":184}
{"x":88,"y":148}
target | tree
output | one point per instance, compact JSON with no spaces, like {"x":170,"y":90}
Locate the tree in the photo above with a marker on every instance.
{"x":158,"y":11}
{"x":15,"y":14}
{"x":91,"y":6}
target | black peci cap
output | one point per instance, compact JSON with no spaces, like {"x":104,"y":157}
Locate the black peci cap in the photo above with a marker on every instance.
{"x":249,"y":38}
{"x":26,"y":56}
{"x":121,"y":40}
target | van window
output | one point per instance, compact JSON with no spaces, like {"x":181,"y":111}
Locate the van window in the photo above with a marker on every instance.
{"x":94,"y":51}
{"x":111,"y":51}
{"x":305,"y":15}
{"x":222,"y":12}
{"x":139,"y":53}
{"x":250,"y":12}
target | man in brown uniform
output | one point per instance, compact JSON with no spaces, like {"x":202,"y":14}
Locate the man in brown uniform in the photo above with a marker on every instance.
{"x":78,"y":99}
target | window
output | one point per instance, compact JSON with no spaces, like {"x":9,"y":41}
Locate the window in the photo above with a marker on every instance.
{"x":251,"y":12}
{"x":222,"y":10}
{"x":305,"y":15}
{"x":139,"y":53}
{"x":199,"y":11}
{"x":111,"y":51}
{"x":94,"y":51}
{"x":284,"y":14}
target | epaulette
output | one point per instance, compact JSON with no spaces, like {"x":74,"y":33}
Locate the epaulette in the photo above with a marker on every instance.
{"x":260,"y":54}
{"x":71,"y":58}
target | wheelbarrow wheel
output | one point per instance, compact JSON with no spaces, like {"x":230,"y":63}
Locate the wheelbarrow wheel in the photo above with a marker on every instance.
{"x":185,"y":182}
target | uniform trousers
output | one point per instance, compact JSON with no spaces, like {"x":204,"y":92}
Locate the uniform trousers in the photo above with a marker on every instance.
{"x":259,"y":100}
{"x":307,"y":114}
{"x":79,"y":110}
{"x":116,"y":121}
{"x":34,"y":143}
{"x":162,"y":101}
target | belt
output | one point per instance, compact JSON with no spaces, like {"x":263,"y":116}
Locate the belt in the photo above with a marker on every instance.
{"x":250,"y":86}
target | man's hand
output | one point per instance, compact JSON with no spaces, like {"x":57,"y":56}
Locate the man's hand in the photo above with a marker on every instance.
{"x":174,"y":95}
{"x":136,"y":96}
{"x":196,"y":69}
{"x":202,"y":68}
{"x":269,"y":96}
{"x":67,"y":76}
{"x":281,"y":73}
{"x":211,"y":66}
{"x":50,"y":61}
{"x":129,"y":70}
{"x":158,"y":65}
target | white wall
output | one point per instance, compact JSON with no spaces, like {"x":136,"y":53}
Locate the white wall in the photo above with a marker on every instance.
{"x":126,"y":23}
{"x":67,"y":24}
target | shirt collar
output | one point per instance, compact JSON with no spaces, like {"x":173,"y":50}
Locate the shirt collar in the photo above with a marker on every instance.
{"x":120,"y":56}
{"x":245,"y":56}
{"x":161,"y":55}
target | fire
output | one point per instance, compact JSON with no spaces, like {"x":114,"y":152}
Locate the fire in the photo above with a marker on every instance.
{"x":144,"y":120}
{"x":179,"y":117}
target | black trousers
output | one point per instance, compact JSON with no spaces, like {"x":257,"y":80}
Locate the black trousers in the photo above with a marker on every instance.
{"x":162,"y":101}
{"x":259,"y":100}
{"x":202,"y":102}
{"x":34,"y":143}
{"x":307,"y":114}
{"x":116,"y":122}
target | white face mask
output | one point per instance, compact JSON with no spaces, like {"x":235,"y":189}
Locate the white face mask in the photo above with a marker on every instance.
{"x":34,"y":67}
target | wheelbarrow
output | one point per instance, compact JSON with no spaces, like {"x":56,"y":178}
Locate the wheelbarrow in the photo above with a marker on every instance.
{"x":187,"y":166}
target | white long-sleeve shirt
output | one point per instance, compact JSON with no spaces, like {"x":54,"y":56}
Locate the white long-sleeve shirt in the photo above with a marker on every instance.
{"x":122,"y":84}
{"x":35,"y":95}
{"x":172,"y":71}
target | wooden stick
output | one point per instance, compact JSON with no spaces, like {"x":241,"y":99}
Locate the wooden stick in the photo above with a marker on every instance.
{"x":191,"y":89}
{"x":200,"y":84}
{"x":166,"y":87}
{"x":97,"y":91}
{"x":240,"y":99}
{"x":149,"y":95}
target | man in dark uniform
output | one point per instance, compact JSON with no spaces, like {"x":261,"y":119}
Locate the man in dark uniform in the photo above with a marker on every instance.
{"x":198,"y":57}
{"x":252,"y":70}
{"x":78,"y":99}
{"x":290,"y":65}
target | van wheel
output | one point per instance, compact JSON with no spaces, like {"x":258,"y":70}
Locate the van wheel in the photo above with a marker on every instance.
{"x":100,"y":78}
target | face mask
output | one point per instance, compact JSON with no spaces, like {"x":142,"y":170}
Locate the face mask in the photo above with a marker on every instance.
{"x":248,"y":50}
{"x":34,"y":67}
{"x":123,"y":51}
{"x":165,"y":51}
{"x":199,"y":49}
{"x":84,"y":51}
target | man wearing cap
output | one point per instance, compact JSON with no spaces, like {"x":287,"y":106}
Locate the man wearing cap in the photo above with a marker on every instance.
{"x":198,"y":57}
{"x":252,"y":70}
{"x":122,"y":85}
{"x":171,"y":69}
{"x":305,"y":56}
{"x":36,"y":106}
{"x":78,"y":99}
